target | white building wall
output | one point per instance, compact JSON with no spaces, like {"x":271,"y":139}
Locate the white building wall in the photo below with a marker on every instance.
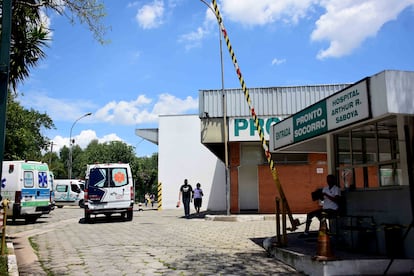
{"x":392,"y":92}
{"x":182,"y":156}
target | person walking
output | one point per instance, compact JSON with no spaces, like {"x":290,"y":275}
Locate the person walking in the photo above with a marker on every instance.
{"x":152,"y":199}
{"x":147,"y":198}
{"x":186,"y":193}
{"x":198,"y":197}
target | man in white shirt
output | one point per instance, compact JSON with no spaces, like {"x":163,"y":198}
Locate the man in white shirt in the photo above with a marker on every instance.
{"x":331,"y":195}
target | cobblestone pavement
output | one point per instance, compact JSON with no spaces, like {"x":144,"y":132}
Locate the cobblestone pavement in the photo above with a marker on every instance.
{"x":153,"y":243}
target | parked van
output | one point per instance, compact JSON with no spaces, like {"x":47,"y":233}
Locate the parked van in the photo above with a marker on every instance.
{"x":26,"y":185}
{"x":69,"y":192}
{"x":109,"y":190}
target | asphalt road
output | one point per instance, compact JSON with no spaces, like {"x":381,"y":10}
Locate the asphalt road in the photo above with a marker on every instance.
{"x":153,"y":243}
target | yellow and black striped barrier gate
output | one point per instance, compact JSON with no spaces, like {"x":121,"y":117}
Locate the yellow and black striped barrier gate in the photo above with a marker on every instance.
{"x":159,"y":197}
{"x":294,"y":222}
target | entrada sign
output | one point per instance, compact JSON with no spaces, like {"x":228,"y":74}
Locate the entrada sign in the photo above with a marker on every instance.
{"x":338,"y":110}
{"x":244,"y":129}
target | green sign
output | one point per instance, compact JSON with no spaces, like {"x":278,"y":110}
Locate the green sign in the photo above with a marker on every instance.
{"x":341,"y":109}
{"x":38,"y":167}
{"x":244,"y":129}
{"x":310,"y":122}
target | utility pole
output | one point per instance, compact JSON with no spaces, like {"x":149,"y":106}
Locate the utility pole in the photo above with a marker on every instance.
{"x":72,"y":142}
{"x":225,"y":127}
{"x":50,"y":153}
{"x":6,"y":14}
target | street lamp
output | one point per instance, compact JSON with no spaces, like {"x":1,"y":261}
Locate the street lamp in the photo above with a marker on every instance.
{"x":71,"y":143}
{"x":226,"y":152}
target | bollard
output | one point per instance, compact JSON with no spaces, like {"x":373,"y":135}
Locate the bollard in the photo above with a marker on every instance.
{"x":278,"y":236}
{"x":5,"y":205}
{"x":281,"y":235}
{"x":284,"y":232}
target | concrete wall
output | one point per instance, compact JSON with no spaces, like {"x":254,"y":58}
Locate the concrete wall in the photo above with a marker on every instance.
{"x":388,"y":206}
{"x":182,"y":156}
{"x":391,"y":92}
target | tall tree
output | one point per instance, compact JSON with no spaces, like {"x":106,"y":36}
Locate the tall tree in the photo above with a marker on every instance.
{"x":28,"y":37}
{"x":119,"y":152}
{"x":145,"y":170}
{"x":89,"y":12}
{"x":95,"y":152}
{"x":24,"y":139}
{"x":78,"y":162}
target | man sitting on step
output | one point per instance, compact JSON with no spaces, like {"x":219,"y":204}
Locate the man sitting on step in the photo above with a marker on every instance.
{"x":330,"y":195}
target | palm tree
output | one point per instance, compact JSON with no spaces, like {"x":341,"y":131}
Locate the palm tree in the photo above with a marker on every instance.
{"x":28,"y":37}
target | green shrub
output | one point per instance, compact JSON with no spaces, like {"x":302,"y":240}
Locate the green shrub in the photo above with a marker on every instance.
{"x":3,"y":265}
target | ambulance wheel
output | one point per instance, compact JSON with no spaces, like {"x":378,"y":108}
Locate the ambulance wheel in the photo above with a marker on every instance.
{"x":87,"y":217}
{"x":31,"y":219}
{"x":129,"y":215}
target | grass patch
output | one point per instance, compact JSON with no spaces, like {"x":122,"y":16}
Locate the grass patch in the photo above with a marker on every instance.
{"x":3,"y":265}
{"x":35,"y":247}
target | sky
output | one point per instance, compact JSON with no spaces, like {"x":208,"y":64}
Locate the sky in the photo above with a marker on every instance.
{"x":160,"y":53}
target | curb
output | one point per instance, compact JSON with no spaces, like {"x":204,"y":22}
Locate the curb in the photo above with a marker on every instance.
{"x":11,"y":261}
{"x":239,"y":218}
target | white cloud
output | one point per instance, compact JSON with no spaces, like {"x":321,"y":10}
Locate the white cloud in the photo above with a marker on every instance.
{"x":126,"y":113}
{"x":57,"y":109}
{"x":249,"y":13}
{"x":169,"y":104}
{"x":140,"y":110}
{"x":253,"y":12}
{"x":346,"y":24}
{"x":133,"y":4}
{"x":82,"y":140}
{"x":276,"y":61}
{"x":151,"y":16}
{"x":194,"y":38}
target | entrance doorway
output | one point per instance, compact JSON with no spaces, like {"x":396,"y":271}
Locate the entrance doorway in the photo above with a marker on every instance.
{"x":248,"y":190}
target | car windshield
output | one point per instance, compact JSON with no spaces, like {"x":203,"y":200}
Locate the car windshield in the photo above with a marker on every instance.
{"x":108,"y":177}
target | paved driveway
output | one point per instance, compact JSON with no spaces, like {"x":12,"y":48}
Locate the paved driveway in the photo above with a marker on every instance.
{"x":154,"y":243}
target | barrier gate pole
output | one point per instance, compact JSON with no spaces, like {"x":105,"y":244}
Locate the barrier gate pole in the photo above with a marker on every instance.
{"x":294,"y":223}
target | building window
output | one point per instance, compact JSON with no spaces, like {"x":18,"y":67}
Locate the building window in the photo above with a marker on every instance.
{"x":368,"y":157}
{"x":290,"y":158}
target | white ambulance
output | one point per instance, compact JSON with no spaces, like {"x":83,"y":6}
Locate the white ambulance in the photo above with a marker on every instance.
{"x":69,"y":192}
{"x":26,"y":185}
{"x":109,"y":190}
